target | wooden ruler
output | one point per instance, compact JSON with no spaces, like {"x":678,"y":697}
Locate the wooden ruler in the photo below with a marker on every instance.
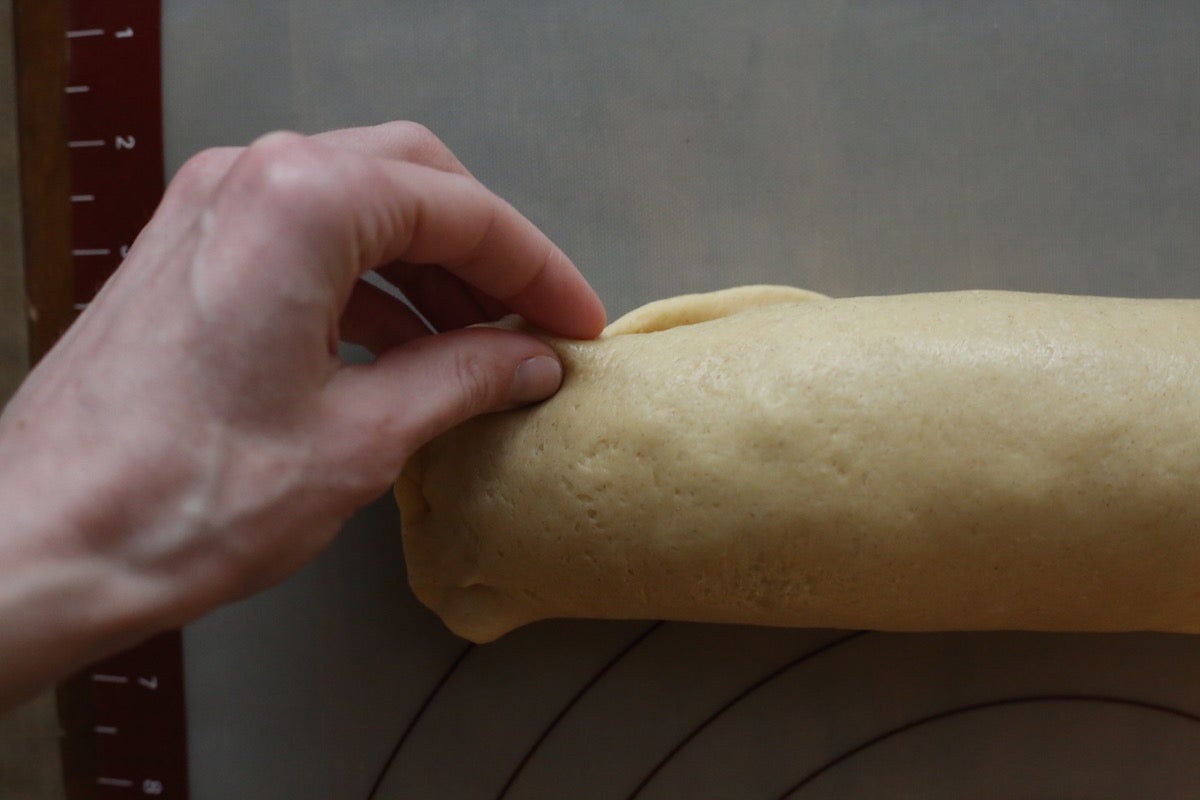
{"x":90,"y":107}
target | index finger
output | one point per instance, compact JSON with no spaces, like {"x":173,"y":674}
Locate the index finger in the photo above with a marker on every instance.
{"x":400,"y":141}
{"x":457,"y":224}
{"x":351,"y":213}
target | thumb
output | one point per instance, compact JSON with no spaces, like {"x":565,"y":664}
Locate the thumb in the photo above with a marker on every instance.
{"x":416,"y":391}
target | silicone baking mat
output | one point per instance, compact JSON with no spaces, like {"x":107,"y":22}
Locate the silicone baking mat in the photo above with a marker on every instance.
{"x":847,"y":147}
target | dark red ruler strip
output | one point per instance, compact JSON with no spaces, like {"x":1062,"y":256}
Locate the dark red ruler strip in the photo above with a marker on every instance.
{"x":124,"y":719}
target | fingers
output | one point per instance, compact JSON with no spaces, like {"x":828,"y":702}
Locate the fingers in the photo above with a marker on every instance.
{"x":337,"y":211}
{"x":398,"y":141}
{"x":482,"y":240}
{"x":461,"y":374}
{"x":193,"y":184}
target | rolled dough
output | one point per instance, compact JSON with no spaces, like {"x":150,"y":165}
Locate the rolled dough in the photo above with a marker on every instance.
{"x":966,"y":460}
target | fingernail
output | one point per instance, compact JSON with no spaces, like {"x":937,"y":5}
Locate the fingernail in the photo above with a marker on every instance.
{"x":537,"y":378}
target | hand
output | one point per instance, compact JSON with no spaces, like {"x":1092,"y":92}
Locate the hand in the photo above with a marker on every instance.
{"x":194,"y":436}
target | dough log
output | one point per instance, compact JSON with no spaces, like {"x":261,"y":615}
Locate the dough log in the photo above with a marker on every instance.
{"x":973,"y":460}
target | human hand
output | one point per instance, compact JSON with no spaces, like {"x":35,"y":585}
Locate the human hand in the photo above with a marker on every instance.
{"x":195,"y":437}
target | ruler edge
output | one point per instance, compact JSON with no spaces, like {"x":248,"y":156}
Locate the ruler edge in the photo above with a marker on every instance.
{"x":44,"y":169}
{"x":44,"y":172}
{"x":40,"y":61}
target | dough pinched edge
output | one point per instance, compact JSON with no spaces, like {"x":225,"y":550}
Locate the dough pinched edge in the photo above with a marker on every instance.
{"x":689,"y":309}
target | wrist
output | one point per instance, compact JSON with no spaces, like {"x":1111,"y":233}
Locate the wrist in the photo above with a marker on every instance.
{"x":56,"y":607}
{"x":64,"y":600}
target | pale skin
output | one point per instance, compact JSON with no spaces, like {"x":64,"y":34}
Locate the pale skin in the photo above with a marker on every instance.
{"x":194,"y":437}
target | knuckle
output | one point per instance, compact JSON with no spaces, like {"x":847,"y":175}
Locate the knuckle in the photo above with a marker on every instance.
{"x":293,"y":182}
{"x":203,"y":166}
{"x":278,"y":142}
{"x":421,"y":145}
{"x":199,"y":175}
{"x":284,"y":165}
{"x":416,"y":134}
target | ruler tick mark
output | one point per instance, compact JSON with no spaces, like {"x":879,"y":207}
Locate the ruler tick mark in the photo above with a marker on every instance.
{"x":92,"y":251}
{"x":86,"y":143}
{"x":78,"y":89}
{"x":121,"y":783}
{"x":100,"y":677}
{"x":80,"y":34}
{"x":82,"y":198}
{"x":110,"y":730}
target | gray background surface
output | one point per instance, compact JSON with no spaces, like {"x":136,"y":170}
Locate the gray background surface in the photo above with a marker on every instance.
{"x":676,"y":146}
{"x":851,"y":148}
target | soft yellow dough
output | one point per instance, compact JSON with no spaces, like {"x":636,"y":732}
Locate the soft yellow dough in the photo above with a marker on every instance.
{"x":967,"y":460}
